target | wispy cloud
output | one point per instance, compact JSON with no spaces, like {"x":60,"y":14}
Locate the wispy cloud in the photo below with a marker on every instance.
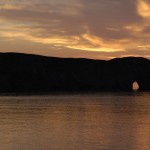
{"x":77,"y":28}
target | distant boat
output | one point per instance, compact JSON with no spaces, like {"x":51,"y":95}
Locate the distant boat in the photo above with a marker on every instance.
{"x":135,"y":86}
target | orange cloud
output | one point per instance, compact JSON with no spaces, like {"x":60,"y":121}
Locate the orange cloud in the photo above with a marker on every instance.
{"x":78,"y":27}
{"x":143,"y":8}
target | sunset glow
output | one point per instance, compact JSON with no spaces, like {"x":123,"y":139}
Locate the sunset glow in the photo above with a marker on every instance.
{"x":100,"y":29}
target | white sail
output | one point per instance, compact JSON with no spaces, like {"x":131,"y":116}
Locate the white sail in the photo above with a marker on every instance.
{"x":135,"y":86}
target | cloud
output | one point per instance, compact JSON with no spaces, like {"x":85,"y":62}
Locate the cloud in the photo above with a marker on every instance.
{"x":143,"y":8}
{"x":110,"y":28}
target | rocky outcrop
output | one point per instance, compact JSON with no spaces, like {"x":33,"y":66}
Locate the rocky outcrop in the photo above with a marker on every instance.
{"x":32,"y":73}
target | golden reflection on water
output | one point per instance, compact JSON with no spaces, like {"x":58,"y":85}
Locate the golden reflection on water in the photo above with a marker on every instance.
{"x":70,"y":122}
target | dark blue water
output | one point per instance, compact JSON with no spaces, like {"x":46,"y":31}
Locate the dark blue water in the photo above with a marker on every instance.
{"x":106,"y":121}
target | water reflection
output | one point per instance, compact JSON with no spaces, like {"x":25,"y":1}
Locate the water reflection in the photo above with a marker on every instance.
{"x":71,"y":122}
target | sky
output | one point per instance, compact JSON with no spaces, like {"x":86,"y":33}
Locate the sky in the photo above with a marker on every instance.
{"x":97,"y":29}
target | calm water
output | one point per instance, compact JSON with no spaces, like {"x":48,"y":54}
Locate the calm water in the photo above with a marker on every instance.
{"x":75,"y":122}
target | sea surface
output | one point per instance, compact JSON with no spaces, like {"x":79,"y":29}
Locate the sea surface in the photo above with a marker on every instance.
{"x":100,"y":121}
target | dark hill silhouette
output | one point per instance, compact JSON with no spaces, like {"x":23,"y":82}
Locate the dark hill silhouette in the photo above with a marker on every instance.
{"x":32,"y":73}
